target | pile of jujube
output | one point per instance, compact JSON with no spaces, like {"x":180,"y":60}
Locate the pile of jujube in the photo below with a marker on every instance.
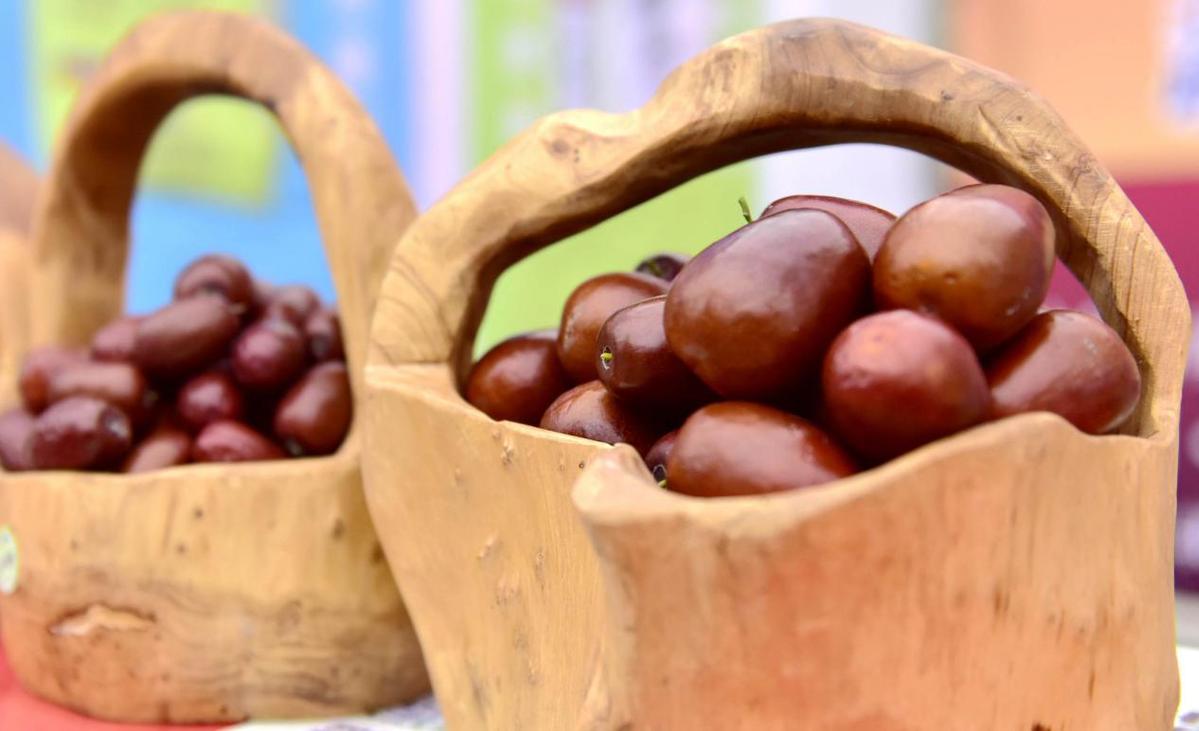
{"x":825,"y":337}
{"x":232,"y":370}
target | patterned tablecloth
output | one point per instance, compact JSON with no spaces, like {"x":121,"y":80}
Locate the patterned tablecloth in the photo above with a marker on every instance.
{"x":20,"y":712}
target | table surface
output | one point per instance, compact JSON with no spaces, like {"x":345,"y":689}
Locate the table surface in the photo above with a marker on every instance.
{"x":20,"y":711}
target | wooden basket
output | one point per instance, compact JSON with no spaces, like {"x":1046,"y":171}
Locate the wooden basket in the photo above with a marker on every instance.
{"x":1016,"y":576}
{"x":18,"y":186}
{"x":207,"y":592}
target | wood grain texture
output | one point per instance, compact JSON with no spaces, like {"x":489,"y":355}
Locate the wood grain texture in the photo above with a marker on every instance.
{"x":963,"y":586}
{"x":1019,"y":573}
{"x":207,"y":592}
{"x":18,"y":188}
{"x":476,"y":515}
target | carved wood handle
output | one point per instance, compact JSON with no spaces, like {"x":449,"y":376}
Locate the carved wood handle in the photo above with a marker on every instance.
{"x":81,"y":226}
{"x":18,"y":190}
{"x":18,"y":184}
{"x":792,"y":85}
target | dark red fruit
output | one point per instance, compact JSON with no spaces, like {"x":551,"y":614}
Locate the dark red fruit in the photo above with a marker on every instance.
{"x":120,"y":384}
{"x":314,"y":416}
{"x":979,"y":258}
{"x":294,"y":302}
{"x":269,"y":355}
{"x":742,"y":448}
{"x":753,"y":314}
{"x":16,"y":426}
{"x":868,"y":224}
{"x":114,"y":341}
{"x":38,"y":368}
{"x":232,"y":441}
{"x":586,"y":310}
{"x":518,"y":379}
{"x":659,"y":454}
{"x":323,"y":331}
{"x":220,"y":275}
{"x":1068,"y":363}
{"x":636,"y":363}
{"x":665,"y":266}
{"x":592,"y":412}
{"x":897,"y":380}
{"x":166,"y":446}
{"x":263,"y":292}
{"x":206,"y":398}
{"x":79,"y":433}
{"x":184,"y":337}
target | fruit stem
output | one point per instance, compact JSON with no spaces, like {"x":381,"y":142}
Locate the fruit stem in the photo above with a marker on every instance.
{"x":606,"y":356}
{"x":662,"y":484}
{"x":749,"y":217}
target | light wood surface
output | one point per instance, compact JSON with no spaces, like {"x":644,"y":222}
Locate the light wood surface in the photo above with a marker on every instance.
{"x":1017,"y":576}
{"x":18,"y":186}
{"x":207,"y":592}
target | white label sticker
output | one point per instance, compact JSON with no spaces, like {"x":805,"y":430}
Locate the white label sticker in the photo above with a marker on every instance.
{"x":10,"y":561}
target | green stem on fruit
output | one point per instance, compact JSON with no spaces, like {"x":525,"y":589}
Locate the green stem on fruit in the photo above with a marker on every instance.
{"x":749,"y":217}
{"x":662,"y":484}
{"x":606,"y":356}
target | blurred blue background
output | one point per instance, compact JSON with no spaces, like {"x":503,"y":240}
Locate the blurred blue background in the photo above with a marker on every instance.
{"x":447,"y":81}
{"x":275,"y":233}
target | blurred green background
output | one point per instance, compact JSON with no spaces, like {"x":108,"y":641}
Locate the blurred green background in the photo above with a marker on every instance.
{"x":448,"y":82}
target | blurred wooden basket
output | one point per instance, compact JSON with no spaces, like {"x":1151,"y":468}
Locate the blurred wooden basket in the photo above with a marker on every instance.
{"x":1016,"y":576}
{"x":206,"y":592}
{"x":18,"y":187}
